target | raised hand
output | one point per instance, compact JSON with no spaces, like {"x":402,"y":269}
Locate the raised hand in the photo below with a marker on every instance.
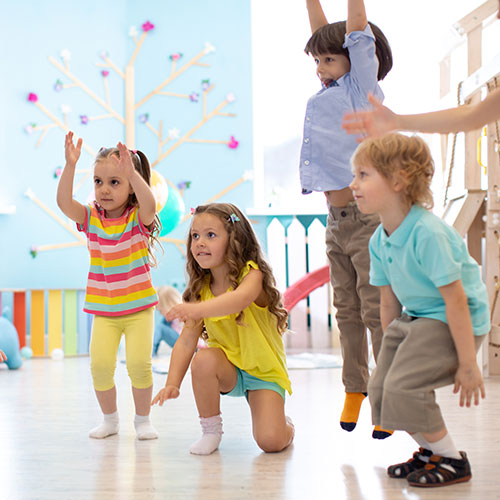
{"x":375,"y":123}
{"x":72,"y":152}
{"x":168,"y":392}
{"x":124,"y":163}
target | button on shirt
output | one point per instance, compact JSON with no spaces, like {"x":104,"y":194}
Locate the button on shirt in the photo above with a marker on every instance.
{"x":326,"y":147}
{"x":422,"y":254}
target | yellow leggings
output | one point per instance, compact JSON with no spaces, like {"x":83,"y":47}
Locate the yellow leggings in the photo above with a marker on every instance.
{"x":106,"y":334}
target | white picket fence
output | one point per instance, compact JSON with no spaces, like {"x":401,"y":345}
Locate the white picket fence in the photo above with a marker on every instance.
{"x":295,"y":245}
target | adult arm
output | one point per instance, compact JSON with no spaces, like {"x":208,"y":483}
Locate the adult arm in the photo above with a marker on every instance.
{"x":69,"y":206}
{"x":381,"y":120}
{"x":317,"y":17}
{"x":468,"y":379}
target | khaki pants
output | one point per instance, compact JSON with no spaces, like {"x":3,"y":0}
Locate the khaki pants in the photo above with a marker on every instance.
{"x":417,"y":356}
{"x":357,"y":302}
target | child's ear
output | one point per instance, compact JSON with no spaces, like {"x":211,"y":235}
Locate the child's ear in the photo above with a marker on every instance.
{"x":400,"y":181}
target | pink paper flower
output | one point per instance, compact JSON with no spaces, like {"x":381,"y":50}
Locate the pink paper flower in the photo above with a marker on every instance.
{"x":194,"y":96}
{"x":144,"y":118}
{"x":147,"y":26}
{"x":233,"y":143}
{"x":58,"y":86}
{"x":205,"y":84}
{"x":57,"y":172}
{"x":84,"y":119}
{"x":175,"y":57}
{"x":104,"y":73}
{"x":30,"y":128}
{"x":33,"y":251}
{"x":32,"y":97}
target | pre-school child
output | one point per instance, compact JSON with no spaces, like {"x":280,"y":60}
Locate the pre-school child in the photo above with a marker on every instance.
{"x":168,"y":297}
{"x":231,"y":299}
{"x":120,"y":226}
{"x":351,"y":56}
{"x":433,"y":307}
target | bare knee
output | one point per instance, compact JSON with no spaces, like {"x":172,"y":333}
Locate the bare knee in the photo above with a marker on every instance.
{"x":272,"y":441}
{"x":204,"y":362}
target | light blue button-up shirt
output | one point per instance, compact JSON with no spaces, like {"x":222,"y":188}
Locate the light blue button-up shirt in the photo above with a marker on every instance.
{"x":422,"y":254}
{"x":326,"y":147}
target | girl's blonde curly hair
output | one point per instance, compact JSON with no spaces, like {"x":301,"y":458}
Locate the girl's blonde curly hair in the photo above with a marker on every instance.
{"x":407,"y":159}
{"x":242,"y":247}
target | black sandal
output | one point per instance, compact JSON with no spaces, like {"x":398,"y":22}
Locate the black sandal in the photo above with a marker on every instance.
{"x":401,"y":471}
{"x":433,"y":474}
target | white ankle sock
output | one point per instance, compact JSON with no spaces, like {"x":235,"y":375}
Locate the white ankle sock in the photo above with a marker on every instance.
{"x":109,"y":426}
{"x":423,"y":443}
{"x":144,"y":428}
{"x":212,"y":435}
{"x":445,"y":448}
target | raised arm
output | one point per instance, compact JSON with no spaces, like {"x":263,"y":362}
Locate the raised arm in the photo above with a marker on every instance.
{"x":317,"y":17}
{"x":69,"y":206}
{"x":182,"y":353}
{"x":468,"y":378}
{"x":356,"y":16}
{"x":381,"y":120}
{"x":231,"y":302}
{"x":143,"y":193}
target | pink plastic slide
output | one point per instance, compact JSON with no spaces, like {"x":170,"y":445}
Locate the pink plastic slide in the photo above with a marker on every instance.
{"x":302,"y":288}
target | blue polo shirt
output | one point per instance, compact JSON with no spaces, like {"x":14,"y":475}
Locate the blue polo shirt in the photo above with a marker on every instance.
{"x":326,"y":147}
{"x":422,"y":254}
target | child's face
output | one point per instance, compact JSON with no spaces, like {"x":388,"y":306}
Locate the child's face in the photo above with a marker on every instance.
{"x":331,"y":67}
{"x":374,"y":194}
{"x":112,"y":190}
{"x":209,"y":240}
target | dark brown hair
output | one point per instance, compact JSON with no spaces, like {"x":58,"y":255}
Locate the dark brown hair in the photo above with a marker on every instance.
{"x":329,"y":39}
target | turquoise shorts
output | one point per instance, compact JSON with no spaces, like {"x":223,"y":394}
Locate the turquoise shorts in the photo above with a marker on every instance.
{"x":247,"y":382}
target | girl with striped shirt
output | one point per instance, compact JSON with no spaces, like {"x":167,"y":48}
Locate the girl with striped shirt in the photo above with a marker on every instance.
{"x":120,"y":226}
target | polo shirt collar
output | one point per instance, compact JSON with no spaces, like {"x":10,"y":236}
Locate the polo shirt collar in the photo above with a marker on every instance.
{"x":401,"y":235}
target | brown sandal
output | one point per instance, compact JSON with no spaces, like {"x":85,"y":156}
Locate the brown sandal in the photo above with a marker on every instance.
{"x":434,"y":474}
{"x":400,"y":471}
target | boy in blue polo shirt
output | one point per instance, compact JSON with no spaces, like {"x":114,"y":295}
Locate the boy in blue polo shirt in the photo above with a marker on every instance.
{"x":351,"y":56}
{"x":433,"y":307}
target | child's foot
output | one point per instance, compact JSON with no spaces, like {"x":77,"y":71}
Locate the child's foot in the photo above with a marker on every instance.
{"x":419,"y":460}
{"x":379,"y":433}
{"x":109,"y":426}
{"x":350,"y":413}
{"x":211,"y":438}
{"x":441,"y":471}
{"x":144,"y":428}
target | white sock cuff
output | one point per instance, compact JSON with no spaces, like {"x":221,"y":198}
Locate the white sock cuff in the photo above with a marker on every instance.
{"x":141,"y":418}
{"x":111,"y":417}
{"x":445,"y":447}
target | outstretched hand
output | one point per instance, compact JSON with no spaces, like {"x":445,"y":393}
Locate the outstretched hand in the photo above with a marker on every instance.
{"x":375,"y":123}
{"x":168,"y":392}
{"x":72,"y":152}
{"x":469,"y":382}
{"x":184,"y":312}
{"x":124,"y":163}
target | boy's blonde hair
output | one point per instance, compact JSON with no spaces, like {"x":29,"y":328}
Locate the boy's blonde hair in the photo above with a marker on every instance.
{"x":407,"y":159}
{"x":168,"y":297}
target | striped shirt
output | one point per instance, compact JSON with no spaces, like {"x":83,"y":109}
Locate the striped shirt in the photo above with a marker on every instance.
{"x":119,"y":280}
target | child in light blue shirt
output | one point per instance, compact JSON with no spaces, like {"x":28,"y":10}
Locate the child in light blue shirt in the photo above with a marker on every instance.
{"x":351,"y":57}
{"x":433,"y":307}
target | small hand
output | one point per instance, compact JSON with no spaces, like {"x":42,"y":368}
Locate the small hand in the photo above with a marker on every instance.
{"x":124,"y":163}
{"x":72,"y":153}
{"x":469,"y":382}
{"x":168,"y":392}
{"x":3,"y":357}
{"x":375,"y":123}
{"x":184,"y":312}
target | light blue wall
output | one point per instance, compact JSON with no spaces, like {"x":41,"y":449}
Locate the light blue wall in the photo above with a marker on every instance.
{"x":33,"y":30}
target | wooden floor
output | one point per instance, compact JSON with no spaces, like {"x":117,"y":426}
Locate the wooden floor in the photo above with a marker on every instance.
{"x":47,"y":408}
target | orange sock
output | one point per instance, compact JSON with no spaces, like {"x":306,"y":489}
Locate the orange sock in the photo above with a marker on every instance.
{"x":379,"y":433}
{"x":350,"y":413}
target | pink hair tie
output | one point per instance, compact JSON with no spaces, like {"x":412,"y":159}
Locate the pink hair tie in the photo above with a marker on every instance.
{"x":193,"y":210}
